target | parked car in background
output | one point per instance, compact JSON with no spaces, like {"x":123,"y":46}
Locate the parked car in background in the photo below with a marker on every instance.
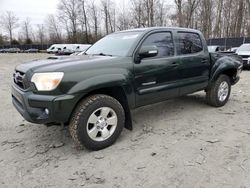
{"x":31,"y":50}
{"x":233,"y":49}
{"x":13,"y":50}
{"x":69,"y":49}
{"x":244,"y":52}
{"x":82,"y":47}
{"x":66,"y":50}
{"x":216,"y":49}
{"x":67,"y":56}
{"x":3,"y":50}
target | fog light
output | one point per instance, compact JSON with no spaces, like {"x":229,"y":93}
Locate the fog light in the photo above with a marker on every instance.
{"x":46,"y":111}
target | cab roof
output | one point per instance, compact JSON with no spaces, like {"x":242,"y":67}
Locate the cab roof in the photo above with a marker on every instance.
{"x":148,"y":29}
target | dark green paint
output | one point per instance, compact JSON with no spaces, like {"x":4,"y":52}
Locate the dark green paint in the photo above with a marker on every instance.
{"x":146,"y":81}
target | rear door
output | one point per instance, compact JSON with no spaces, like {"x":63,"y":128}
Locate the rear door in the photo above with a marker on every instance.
{"x":156,"y":77}
{"x":194,"y":62}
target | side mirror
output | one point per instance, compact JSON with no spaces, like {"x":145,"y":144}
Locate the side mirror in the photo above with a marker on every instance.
{"x":148,"y":51}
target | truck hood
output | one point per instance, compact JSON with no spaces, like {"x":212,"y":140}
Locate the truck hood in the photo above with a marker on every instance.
{"x":52,"y":65}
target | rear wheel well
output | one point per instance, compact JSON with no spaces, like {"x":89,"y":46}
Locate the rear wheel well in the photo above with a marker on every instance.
{"x":231,"y":73}
{"x":118,"y":93}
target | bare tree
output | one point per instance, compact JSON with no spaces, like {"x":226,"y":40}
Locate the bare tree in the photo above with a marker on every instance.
{"x":151,"y":12}
{"x":124,"y":20}
{"x":248,"y":18}
{"x":203,"y":19}
{"x":218,"y":23}
{"x":94,"y":17}
{"x":105,"y":7}
{"x":27,"y":30}
{"x":68,"y":9}
{"x":227,"y":14}
{"x":160,"y":11}
{"x":54,"y":29}
{"x":83,"y":18}
{"x":240,"y":13}
{"x":1,"y":39}
{"x":41,"y":33}
{"x":179,"y":4}
{"x":190,"y":7}
{"x":9,"y":22}
{"x":141,"y":12}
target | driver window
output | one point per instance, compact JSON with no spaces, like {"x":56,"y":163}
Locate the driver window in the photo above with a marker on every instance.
{"x":164,"y":43}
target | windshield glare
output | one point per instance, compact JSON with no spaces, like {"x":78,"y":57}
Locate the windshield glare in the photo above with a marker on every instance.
{"x":244,"y":47}
{"x":117,"y":44}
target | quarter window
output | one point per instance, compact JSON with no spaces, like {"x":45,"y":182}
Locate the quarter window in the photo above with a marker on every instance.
{"x":164,"y":43}
{"x":189,"y":43}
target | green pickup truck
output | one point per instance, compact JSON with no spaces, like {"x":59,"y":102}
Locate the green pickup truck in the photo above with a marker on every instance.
{"x":95,"y":92}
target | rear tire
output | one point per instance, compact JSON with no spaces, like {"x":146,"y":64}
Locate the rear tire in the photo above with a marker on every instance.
{"x":218,"y":93}
{"x":97,"y":122}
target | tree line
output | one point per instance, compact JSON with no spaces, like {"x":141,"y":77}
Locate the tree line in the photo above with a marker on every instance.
{"x":85,"y":21}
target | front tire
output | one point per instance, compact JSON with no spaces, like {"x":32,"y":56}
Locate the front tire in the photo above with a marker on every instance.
{"x":97,"y":122}
{"x":218,"y":93}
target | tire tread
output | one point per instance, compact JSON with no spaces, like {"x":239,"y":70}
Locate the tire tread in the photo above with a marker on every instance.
{"x":211,"y":94}
{"x":79,"y":111}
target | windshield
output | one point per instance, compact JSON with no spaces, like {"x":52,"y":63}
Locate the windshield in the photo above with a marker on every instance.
{"x":117,"y":44}
{"x":244,"y":47}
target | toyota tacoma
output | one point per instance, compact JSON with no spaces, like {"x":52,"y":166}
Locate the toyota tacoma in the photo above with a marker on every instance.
{"x":95,"y":92}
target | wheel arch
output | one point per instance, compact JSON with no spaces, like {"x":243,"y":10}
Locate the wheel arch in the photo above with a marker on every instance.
{"x":224,"y":65}
{"x":117,"y":92}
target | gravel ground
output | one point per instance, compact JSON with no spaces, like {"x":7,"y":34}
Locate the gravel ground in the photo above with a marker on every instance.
{"x":177,"y":143}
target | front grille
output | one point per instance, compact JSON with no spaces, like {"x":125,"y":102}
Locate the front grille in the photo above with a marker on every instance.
{"x":245,"y":62}
{"x":245,"y":56}
{"x":20,"y":80}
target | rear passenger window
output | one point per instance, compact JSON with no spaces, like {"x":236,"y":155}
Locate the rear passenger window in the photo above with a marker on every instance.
{"x":163,"y":41}
{"x":189,"y":43}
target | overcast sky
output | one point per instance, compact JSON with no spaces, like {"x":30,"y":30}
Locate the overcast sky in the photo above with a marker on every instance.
{"x":35,"y":9}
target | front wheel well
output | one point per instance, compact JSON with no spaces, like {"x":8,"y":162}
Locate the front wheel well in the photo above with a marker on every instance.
{"x":118,"y":93}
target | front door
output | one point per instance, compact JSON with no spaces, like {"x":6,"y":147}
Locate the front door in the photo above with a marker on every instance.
{"x":156,"y":77}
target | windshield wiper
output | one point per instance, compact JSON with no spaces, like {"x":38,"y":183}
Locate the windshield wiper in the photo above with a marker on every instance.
{"x":103,"y":54}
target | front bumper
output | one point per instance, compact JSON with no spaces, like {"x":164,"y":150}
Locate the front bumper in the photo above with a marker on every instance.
{"x":42,"y":109}
{"x":246,"y":63}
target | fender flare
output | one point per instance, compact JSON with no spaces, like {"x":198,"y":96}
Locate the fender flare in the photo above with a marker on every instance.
{"x":221,"y":65}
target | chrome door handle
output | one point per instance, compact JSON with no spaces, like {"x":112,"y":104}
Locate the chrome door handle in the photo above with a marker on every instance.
{"x":149,"y":83}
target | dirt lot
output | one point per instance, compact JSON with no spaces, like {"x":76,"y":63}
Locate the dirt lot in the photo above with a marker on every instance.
{"x":177,"y":143}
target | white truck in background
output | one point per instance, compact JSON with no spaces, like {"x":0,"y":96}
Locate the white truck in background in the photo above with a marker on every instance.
{"x":67,"y":49}
{"x":244,"y":52}
{"x":55,"y":48}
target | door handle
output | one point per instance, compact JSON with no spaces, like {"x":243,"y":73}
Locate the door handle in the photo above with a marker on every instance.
{"x":174,"y":64}
{"x":149,"y":83}
{"x":204,"y":61}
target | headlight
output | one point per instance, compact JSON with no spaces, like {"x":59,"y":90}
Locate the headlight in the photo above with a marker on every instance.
{"x":47,"y":81}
